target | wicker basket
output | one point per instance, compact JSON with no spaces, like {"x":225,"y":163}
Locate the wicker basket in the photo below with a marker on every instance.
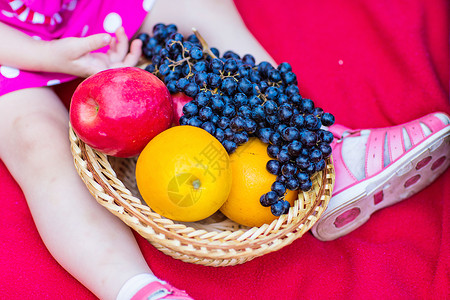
{"x":216,"y":241}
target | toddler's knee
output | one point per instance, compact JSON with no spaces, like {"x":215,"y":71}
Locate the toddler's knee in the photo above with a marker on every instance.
{"x":38,"y":133}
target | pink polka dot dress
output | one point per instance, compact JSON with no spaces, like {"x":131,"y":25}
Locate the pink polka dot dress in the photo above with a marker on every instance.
{"x":55,"y":19}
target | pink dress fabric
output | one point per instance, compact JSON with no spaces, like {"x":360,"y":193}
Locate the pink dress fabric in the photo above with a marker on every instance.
{"x":55,"y":19}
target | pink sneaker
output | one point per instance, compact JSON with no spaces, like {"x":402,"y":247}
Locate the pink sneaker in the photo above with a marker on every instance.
{"x":418,"y":152}
{"x":159,"y":291}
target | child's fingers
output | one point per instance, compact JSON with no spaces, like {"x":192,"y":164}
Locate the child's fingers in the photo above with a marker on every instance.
{"x":94,"y":42}
{"x":113,"y":45}
{"x":121,"y":48}
{"x":132,"y":58}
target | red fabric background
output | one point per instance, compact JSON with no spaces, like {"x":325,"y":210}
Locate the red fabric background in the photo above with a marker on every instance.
{"x":372,"y":63}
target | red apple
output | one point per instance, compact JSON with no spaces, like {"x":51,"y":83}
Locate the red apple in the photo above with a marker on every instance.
{"x":178,"y":101}
{"x":118,"y":111}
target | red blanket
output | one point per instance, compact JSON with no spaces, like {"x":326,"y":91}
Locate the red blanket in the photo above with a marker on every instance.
{"x":372,"y":63}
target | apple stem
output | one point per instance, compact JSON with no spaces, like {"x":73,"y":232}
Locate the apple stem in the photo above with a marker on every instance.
{"x":204,"y":43}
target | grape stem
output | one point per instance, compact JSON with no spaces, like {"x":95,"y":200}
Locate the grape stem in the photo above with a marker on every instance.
{"x":203,"y":42}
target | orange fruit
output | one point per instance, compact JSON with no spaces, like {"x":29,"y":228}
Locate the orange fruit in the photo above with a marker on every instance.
{"x":250,"y":181}
{"x":184,"y":174}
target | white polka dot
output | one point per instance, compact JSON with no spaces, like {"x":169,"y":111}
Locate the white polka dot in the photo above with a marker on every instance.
{"x":9,"y":72}
{"x":57,"y":17}
{"x":112,"y":22}
{"x":84,"y":30}
{"x":148,"y":4}
{"x":340,"y":62}
{"x":53,"y":82}
{"x":71,"y":5}
{"x":37,"y":38}
{"x":7,"y":13}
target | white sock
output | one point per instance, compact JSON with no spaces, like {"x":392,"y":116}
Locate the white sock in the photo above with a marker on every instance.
{"x":134,"y":284}
{"x":353,"y":153}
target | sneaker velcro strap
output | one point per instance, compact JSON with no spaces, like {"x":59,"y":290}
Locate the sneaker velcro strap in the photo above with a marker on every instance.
{"x":374,"y":153}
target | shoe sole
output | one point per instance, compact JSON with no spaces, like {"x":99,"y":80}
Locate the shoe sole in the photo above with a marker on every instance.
{"x":410,"y":174}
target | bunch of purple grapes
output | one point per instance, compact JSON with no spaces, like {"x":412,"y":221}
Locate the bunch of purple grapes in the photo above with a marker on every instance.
{"x":235,"y":98}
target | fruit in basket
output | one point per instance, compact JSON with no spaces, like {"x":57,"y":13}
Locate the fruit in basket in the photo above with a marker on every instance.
{"x":118,"y":111}
{"x":250,"y":181}
{"x":178,"y":101}
{"x":235,"y":98}
{"x":184,"y":174}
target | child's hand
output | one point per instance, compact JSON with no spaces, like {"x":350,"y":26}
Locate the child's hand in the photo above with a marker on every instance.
{"x":78,"y":59}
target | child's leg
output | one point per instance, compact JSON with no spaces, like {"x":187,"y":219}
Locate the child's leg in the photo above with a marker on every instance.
{"x":218,"y":21}
{"x":89,"y":242}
